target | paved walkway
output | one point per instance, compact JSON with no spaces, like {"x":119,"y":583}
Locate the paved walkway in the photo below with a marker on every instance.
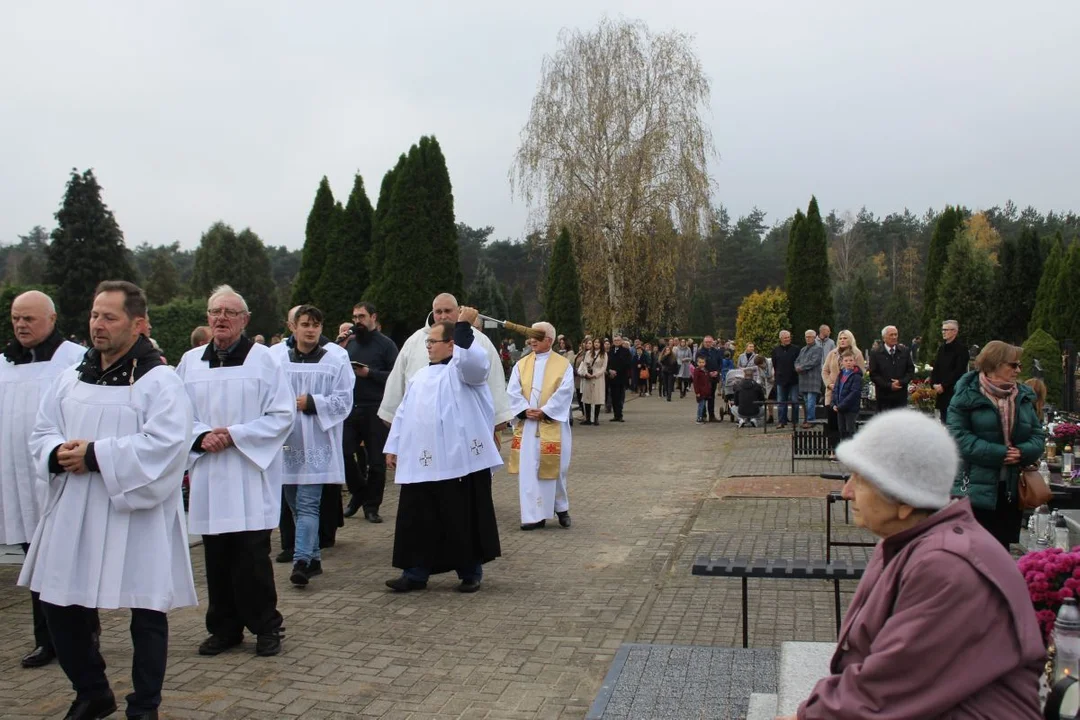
{"x":538,"y":639}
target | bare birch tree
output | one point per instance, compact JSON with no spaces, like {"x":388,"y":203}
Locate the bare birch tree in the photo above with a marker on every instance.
{"x":615,"y":139}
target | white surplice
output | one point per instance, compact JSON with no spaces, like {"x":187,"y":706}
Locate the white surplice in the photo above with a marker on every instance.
{"x":22,"y":492}
{"x":312,"y":454}
{"x":541,"y":499}
{"x":114,"y":538}
{"x":238,"y":488}
{"x":442,"y":428}
{"x":280,"y":350}
{"x":413,"y":358}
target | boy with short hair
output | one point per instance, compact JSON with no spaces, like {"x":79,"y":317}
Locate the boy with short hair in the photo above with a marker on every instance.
{"x":848,"y":394}
{"x":702,"y":388}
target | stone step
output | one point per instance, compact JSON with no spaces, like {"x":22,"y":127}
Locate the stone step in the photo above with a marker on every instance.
{"x":802,"y":664}
{"x":762,"y":707}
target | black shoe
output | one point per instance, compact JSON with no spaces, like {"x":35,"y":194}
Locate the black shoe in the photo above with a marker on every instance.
{"x":39,"y":657}
{"x":284,"y":556}
{"x":352,"y":508}
{"x":268,"y":643}
{"x":372,"y":516}
{"x":148,"y":715}
{"x":534,"y":526}
{"x":468,"y":586}
{"x":299,"y":575}
{"x":403,"y":584}
{"x":215,"y":645}
{"x":564,"y":518}
{"x":327,"y":543}
{"x":618,"y":419}
{"x":93,"y":708}
{"x":314,"y":567}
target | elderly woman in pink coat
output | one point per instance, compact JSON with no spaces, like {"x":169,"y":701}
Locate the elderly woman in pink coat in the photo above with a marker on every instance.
{"x":941,"y":625}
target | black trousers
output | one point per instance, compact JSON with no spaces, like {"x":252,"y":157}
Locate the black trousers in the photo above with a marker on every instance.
{"x":73,"y":628}
{"x":41,"y":627}
{"x":1003,"y":522}
{"x":240,"y":584}
{"x":618,"y":397}
{"x":330,"y":519}
{"x":711,"y":400}
{"x":364,"y":426}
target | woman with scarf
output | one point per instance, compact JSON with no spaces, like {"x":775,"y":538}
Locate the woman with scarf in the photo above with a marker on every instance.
{"x":995,"y":424}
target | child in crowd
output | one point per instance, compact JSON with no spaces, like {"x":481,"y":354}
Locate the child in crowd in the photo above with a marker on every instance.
{"x":848,"y":394}
{"x":702,"y":389}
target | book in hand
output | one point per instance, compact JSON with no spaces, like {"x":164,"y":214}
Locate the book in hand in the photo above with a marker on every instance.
{"x":355,"y":363}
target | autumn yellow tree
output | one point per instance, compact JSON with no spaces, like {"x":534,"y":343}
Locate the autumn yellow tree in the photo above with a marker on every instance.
{"x":762,"y":315}
{"x":616,"y":150}
{"x":985,"y":239}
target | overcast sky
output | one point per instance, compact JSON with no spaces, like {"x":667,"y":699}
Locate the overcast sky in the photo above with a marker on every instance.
{"x":190,"y":112}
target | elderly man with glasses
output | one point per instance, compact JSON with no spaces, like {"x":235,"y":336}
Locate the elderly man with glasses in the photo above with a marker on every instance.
{"x":949,"y":366}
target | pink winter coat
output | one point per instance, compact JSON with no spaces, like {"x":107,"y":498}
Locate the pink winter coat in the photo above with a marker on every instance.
{"x":941,"y":626}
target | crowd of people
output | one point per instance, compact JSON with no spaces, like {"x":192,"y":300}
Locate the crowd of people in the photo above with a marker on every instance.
{"x":97,"y":446}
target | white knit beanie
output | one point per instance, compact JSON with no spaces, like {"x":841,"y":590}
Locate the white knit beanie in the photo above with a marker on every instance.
{"x":907,"y":455}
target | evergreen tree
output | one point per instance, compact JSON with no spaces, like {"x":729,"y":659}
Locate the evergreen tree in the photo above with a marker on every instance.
{"x":794,"y":248}
{"x":1044,"y":296}
{"x":225,"y":257}
{"x":964,"y":292}
{"x":562,"y":296}
{"x":378,"y":245}
{"x":1064,"y":311}
{"x":1020,"y":263}
{"x":87,"y":247}
{"x":163,"y":282}
{"x":336,"y":292}
{"x":899,"y":312}
{"x":949,"y":223}
{"x":809,"y":289}
{"x":701,"y":314}
{"x":862,"y":318}
{"x":418,"y":242}
{"x":517,"y":307}
{"x":486,"y":295}
{"x":1040,"y":346}
{"x":320,"y":226}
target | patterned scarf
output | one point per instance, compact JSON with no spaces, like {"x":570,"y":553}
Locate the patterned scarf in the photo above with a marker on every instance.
{"x":1004,"y":398}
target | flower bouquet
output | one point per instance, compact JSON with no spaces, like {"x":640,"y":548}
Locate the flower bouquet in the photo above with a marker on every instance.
{"x":922,"y":396}
{"x":1051,"y":576}
{"x":1066,"y":434}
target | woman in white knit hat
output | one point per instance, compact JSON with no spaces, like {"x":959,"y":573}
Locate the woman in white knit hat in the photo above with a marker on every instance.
{"x":941,"y":624}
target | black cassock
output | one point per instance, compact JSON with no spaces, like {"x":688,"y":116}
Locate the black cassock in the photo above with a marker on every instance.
{"x":446,"y":525}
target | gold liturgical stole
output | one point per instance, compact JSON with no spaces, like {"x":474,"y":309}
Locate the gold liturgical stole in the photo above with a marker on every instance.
{"x":550,"y":432}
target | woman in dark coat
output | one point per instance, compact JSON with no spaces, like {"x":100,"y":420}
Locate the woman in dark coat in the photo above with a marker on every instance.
{"x":993,"y":419}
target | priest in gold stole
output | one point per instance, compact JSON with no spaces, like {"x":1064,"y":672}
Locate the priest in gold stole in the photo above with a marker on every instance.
{"x":541,"y":390}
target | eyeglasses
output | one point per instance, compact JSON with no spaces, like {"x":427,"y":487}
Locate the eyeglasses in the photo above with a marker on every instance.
{"x":218,"y":312}
{"x":945,"y":330}
{"x":429,"y":343}
{"x":1015,"y":365}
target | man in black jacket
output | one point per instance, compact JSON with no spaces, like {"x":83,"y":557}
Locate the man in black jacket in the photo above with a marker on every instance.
{"x":619,"y":365}
{"x":372,"y":355}
{"x":949,"y":365}
{"x":713,"y":359}
{"x":786,"y":379}
{"x":891,"y":369}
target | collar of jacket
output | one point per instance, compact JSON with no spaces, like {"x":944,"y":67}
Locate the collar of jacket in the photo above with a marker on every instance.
{"x":956,"y":510}
{"x":969,"y":396}
{"x":143,"y":351}
{"x":16,"y":354}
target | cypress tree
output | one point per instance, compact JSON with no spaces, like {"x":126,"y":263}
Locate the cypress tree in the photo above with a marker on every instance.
{"x":1064,"y":310}
{"x":899,"y":312}
{"x":1020,"y":263}
{"x":1044,"y":295}
{"x":382,"y":206}
{"x":862,"y":319}
{"x":320,"y":225}
{"x":701,"y":314}
{"x":948,"y":224}
{"x":562,"y":297}
{"x":517,"y":307}
{"x":486,"y":295}
{"x":417,"y":242}
{"x":793,"y":250}
{"x":239,"y":260}
{"x":809,"y":289}
{"x":345,"y":275}
{"x":967,"y":281}
{"x":87,"y":247}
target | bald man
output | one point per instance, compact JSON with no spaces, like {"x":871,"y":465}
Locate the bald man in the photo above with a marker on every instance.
{"x":413,"y":357}
{"x":30,"y":363}
{"x":330,"y":508}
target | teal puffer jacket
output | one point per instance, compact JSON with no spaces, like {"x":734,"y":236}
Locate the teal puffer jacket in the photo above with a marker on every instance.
{"x":976,"y":426}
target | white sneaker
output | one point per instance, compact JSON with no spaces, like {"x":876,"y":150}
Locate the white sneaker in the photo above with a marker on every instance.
{"x":753,"y":423}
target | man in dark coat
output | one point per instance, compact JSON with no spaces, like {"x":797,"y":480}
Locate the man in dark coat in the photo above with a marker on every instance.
{"x":619,"y":365}
{"x":891,"y":369}
{"x":949,"y":366}
{"x":786,"y":379}
{"x":713,"y":358}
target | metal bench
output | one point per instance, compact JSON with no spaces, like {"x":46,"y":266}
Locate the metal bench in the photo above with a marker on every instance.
{"x":835,"y":497}
{"x":812,"y":444}
{"x":744,"y":569}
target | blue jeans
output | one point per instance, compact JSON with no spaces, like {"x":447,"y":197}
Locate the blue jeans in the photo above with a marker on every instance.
{"x":304,"y":502}
{"x":419,"y":574}
{"x":788,"y":394}
{"x":810,"y":398}
{"x":702,"y":407}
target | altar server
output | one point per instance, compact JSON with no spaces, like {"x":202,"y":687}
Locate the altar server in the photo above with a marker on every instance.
{"x":322,"y":383}
{"x":541,"y":390}
{"x":111,"y":437}
{"x":28,"y":366}
{"x":243,"y":407}
{"x":440,"y":443}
